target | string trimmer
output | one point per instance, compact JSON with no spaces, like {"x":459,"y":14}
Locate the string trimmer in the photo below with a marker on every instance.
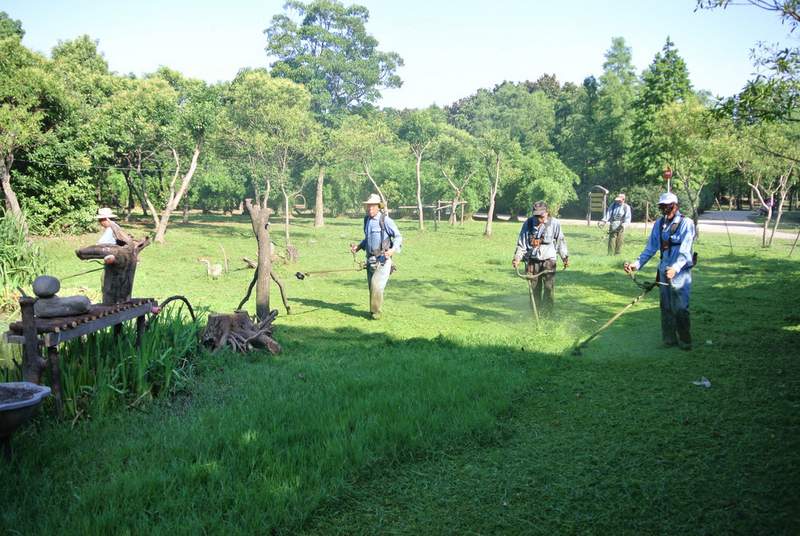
{"x":646,"y":287}
{"x":357,"y":268}
{"x":531,"y":278}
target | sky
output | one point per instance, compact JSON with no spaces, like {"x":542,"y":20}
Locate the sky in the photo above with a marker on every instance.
{"x":450,"y":49}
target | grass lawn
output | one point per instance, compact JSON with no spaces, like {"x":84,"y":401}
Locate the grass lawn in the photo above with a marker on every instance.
{"x":451,"y":415}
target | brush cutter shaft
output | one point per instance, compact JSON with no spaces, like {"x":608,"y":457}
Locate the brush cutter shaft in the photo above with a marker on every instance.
{"x":533,"y":277}
{"x":303,"y":275}
{"x":612,"y":319}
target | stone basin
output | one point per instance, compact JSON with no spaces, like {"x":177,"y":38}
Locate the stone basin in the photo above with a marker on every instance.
{"x":18,"y":403}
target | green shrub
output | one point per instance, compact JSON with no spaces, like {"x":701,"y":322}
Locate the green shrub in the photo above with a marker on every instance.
{"x":65,"y":209}
{"x":20,"y":261}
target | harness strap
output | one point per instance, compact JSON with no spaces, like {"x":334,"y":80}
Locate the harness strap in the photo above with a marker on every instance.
{"x":386,"y":243}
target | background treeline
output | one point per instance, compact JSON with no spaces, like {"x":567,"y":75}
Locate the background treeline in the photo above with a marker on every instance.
{"x":74,"y":136}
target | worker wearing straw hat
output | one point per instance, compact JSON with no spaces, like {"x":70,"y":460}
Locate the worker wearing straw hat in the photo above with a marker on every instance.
{"x":113,"y":235}
{"x":381,"y":241}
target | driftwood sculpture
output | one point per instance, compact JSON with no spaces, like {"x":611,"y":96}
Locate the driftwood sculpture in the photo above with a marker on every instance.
{"x":252,"y":264}
{"x":120,"y":269}
{"x":239,"y":332}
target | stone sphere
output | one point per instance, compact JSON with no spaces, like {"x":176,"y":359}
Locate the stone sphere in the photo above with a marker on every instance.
{"x":46,"y":286}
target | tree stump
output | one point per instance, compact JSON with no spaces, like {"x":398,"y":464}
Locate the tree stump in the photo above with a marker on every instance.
{"x":239,"y":332}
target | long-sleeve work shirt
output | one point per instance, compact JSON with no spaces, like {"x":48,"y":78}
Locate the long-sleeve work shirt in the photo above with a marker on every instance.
{"x":550,"y":238}
{"x":678,"y":253}
{"x":373,"y":235}
{"x":617,"y":214}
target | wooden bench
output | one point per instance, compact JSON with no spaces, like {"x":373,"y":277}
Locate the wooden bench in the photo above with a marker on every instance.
{"x":32,"y":333}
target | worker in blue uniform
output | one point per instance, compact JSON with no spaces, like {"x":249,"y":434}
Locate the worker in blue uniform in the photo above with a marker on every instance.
{"x":673,"y":236}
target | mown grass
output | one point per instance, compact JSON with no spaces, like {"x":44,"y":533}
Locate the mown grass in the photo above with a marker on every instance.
{"x":452,"y":415}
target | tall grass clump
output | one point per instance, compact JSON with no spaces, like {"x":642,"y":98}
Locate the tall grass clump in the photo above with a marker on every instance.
{"x":20,"y":261}
{"x":101,"y":371}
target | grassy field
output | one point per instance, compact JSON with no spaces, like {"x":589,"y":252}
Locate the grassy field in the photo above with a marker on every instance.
{"x":451,"y":415}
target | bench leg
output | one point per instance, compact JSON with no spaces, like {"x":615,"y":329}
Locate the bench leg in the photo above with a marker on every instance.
{"x":55,"y":378}
{"x":117,"y":330}
{"x":140,"y":323}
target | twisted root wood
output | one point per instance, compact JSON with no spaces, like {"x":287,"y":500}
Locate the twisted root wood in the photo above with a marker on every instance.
{"x":239,"y":332}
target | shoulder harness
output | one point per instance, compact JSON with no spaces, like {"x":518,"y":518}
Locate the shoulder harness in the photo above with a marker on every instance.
{"x":386,"y":234}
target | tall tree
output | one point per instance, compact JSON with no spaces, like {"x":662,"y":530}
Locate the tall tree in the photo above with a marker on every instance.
{"x":197,"y":108}
{"x":137,"y":121}
{"x":23,"y":88}
{"x":664,"y":82}
{"x":577,"y":139}
{"x":419,"y":128}
{"x":275,"y":127}
{"x":358,"y":140}
{"x":694,"y":143}
{"x":326,"y":48}
{"x":457,"y":158}
{"x":615,"y":97}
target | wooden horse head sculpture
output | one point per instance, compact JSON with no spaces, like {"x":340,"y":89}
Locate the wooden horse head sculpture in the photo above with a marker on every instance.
{"x":120,"y":269}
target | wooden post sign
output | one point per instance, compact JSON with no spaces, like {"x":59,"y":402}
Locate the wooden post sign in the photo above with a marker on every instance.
{"x":598,"y":198}
{"x":667,"y":174}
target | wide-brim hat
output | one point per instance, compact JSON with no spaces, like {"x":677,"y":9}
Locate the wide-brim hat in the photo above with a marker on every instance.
{"x":668,"y":198}
{"x":105,"y":213}
{"x":373,"y":199}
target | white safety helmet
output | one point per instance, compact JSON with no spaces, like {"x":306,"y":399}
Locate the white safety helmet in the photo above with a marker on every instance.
{"x":668,"y":198}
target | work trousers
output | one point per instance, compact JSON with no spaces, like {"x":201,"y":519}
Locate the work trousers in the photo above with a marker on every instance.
{"x":675,"y":324}
{"x":377,"y":277}
{"x":543,"y":287}
{"x":615,"y":240}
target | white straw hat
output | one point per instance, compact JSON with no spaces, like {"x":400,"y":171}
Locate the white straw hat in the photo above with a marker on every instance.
{"x":373,"y":199}
{"x":105,"y":213}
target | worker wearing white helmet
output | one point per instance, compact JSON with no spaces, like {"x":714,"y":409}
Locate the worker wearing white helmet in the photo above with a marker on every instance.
{"x":672,"y":235}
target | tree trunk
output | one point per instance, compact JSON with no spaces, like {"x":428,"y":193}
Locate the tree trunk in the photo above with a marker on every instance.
{"x":11,"y":198}
{"x":782,"y":193}
{"x":259,"y":217}
{"x":319,"y":209}
{"x":777,"y":218}
{"x":175,"y":198}
{"x":419,"y":190}
{"x":286,"y":213}
{"x":492,"y":195}
{"x":375,"y":184}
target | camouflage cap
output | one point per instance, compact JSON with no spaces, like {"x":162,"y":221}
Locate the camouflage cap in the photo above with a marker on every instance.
{"x":539,"y":208}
